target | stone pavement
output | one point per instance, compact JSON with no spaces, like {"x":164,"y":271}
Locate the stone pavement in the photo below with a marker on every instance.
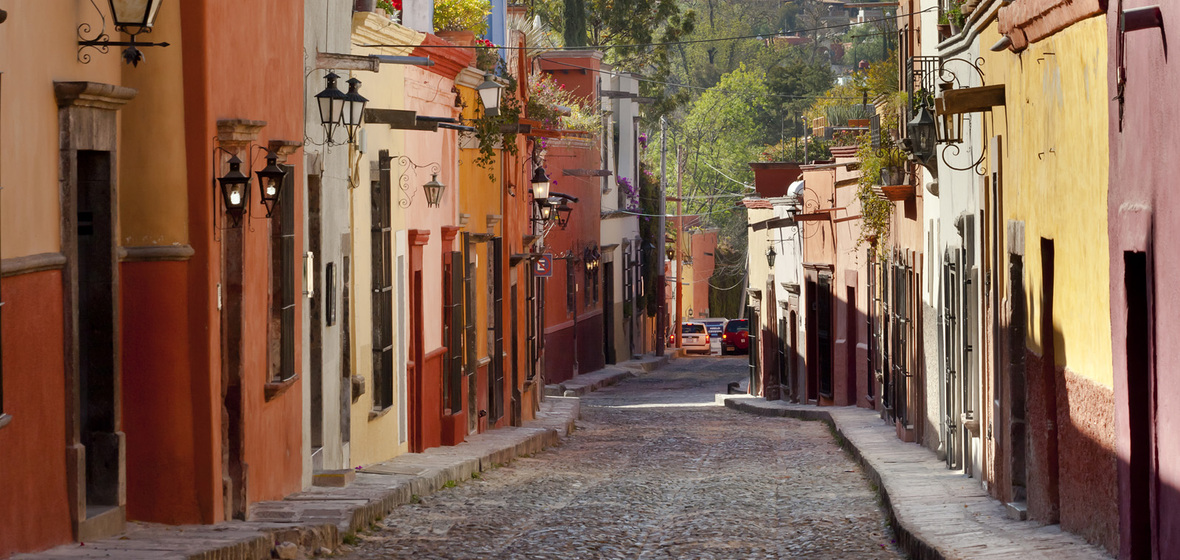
{"x":314,"y":522}
{"x":605,"y":377}
{"x":658,"y":470}
{"x":936,"y":513}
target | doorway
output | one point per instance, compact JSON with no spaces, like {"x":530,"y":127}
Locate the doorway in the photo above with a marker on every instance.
{"x":608,"y":312}
{"x":850,"y":338}
{"x":315,"y":332}
{"x":1049,"y":386}
{"x":1141,"y":406}
{"x":97,"y":282}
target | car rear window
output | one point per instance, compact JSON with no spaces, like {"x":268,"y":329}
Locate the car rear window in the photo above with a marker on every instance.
{"x":692,"y":329}
{"x":737,"y":326}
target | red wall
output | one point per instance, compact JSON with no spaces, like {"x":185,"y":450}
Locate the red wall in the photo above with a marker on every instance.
{"x":158,"y":399}
{"x":33,"y":516}
{"x":772,"y":179}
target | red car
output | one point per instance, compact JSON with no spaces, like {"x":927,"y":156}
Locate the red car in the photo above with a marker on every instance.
{"x":736,"y":336}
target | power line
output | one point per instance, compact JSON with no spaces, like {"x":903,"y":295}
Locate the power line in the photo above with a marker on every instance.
{"x":759,"y":36}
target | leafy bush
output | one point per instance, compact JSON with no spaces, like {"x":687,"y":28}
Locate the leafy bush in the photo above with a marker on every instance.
{"x":462,"y":15}
{"x":556,"y":107}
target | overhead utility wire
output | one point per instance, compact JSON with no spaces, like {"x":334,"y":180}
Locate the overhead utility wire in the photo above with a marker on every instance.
{"x":760,"y":36}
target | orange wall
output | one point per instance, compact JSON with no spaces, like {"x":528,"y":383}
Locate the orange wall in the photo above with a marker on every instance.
{"x":260,"y":38}
{"x":238,"y":66}
{"x":34,"y":511}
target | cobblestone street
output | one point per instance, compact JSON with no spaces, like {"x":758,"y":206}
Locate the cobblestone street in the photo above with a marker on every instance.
{"x":655,"y":470}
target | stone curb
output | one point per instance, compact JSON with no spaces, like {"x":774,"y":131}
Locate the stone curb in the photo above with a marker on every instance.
{"x":319,"y":518}
{"x":910,"y":515}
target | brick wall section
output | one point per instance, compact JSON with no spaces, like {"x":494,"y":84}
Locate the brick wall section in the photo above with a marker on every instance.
{"x":1029,"y":21}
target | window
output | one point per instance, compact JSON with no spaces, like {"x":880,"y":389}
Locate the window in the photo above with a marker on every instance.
{"x":382,"y":285}
{"x":282,"y":248}
{"x":403,"y":343}
{"x":453,"y":331}
{"x":571,"y":283}
{"x":692,"y":328}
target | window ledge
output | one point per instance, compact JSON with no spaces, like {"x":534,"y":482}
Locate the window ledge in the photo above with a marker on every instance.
{"x":5,"y":419}
{"x":276,"y":389}
{"x":375,"y":414}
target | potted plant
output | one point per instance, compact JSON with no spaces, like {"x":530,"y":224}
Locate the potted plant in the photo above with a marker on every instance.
{"x":955,"y":16}
{"x":459,"y":21}
{"x":392,"y":9}
{"x":487,"y":56}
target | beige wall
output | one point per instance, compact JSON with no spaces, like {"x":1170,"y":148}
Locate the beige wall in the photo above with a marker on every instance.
{"x":38,"y":45}
{"x":153,"y":207}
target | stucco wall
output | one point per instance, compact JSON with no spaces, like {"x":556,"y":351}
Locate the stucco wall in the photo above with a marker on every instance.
{"x":1055,"y":181}
{"x":376,"y":439}
{"x":1142,"y":209}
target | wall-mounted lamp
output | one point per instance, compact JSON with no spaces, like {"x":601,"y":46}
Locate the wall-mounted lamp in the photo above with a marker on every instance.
{"x":235,"y":191}
{"x":353,"y":114}
{"x":770,"y":255}
{"x":434,"y":191}
{"x":489,"y":93}
{"x":271,"y":180}
{"x":129,"y":16}
{"x":563,"y":214}
{"x":540,"y":183}
{"x":923,"y":137}
{"x":331,"y":102}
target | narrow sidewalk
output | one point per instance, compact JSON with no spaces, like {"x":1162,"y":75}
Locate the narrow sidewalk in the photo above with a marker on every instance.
{"x":936,"y":513}
{"x":316,"y":521}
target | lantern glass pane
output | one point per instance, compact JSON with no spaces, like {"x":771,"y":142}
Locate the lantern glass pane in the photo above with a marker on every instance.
{"x":546,"y":211}
{"x":137,"y":13}
{"x":541,"y":190}
{"x":355,"y":112}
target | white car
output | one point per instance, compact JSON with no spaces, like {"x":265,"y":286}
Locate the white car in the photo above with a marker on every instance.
{"x":694,"y":337}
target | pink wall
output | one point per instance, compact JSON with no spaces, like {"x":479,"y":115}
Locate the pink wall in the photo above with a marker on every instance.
{"x":1144,"y":212}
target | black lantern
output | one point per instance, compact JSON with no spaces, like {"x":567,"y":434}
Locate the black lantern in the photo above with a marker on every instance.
{"x":235,"y":190}
{"x":489,"y":93}
{"x":134,"y":16}
{"x":354,"y":109}
{"x":563,"y":214}
{"x":331,"y":102}
{"x":129,"y":16}
{"x":546,"y":207}
{"x":923,"y":134}
{"x":770,"y":255}
{"x":434,"y":191}
{"x":540,"y":183}
{"x":270,"y":181}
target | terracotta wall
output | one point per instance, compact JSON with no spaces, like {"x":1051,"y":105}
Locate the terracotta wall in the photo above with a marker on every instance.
{"x":34,"y":513}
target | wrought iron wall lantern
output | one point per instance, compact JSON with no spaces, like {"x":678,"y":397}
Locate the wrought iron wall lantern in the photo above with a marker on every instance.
{"x":563,"y":214}
{"x":339,"y":108}
{"x":770,"y":256}
{"x":434,"y":191}
{"x":353,"y":114}
{"x":489,"y":93}
{"x":235,"y":191}
{"x":234,"y":186}
{"x":132,"y":17}
{"x":922,"y":135}
{"x":540,"y":184}
{"x":271,"y":179}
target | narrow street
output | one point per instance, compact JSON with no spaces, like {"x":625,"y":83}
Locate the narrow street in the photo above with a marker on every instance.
{"x":655,"y":470}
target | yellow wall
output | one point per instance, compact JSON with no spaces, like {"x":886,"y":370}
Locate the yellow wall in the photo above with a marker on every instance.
{"x":1054,"y":130}
{"x":478,"y":197}
{"x":153,"y":208}
{"x":375,"y":440}
{"x":38,"y":45}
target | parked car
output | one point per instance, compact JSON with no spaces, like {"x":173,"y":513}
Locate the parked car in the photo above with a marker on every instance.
{"x":694,"y":337}
{"x":736,"y":337}
{"x":715,"y":326}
